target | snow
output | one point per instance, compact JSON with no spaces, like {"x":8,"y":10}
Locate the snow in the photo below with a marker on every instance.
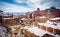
{"x":41,"y":23}
{"x":40,"y":32}
{"x":24,"y":19}
{"x":58,"y":18}
{"x":53,"y":34}
{"x":37,"y":31}
{"x":43,"y":17}
{"x":5,"y":15}
{"x":50,"y":24}
{"x":8,"y":18}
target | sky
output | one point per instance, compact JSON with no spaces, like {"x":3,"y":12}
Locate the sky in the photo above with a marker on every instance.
{"x":27,"y":5}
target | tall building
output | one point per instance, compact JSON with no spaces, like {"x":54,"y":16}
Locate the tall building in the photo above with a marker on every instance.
{"x":1,"y":12}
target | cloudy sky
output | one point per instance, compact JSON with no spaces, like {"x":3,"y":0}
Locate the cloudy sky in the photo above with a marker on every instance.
{"x":27,"y":5}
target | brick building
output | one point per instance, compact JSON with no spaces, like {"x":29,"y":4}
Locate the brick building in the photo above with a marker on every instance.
{"x":10,"y":21}
{"x":52,"y":12}
{"x":36,"y":13}
{"x":7,"y":16}
{"x":28,"y":15}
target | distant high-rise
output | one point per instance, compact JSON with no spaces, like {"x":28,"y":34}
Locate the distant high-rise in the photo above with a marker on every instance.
{"x":1,"y":12}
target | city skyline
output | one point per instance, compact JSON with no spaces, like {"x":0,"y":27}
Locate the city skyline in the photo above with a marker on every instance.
{"x":29,"y":18}
{"x":27,"y":5}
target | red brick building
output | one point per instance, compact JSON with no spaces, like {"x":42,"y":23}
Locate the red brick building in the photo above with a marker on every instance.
{"x":51,"y":13}
{"x":10,"y":21}
{"x":36,"y":13}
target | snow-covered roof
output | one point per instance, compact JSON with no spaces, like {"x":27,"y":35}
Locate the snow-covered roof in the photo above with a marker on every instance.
{"x":37,"y":31}
{"x":40,"y":32}
{"x":50,"y":24}
{"x":58,"y":18}
{"x":24,"y":19}
{"x":6,"y":15}
{"x":8,"y":18}
{"x":42,"y":17}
